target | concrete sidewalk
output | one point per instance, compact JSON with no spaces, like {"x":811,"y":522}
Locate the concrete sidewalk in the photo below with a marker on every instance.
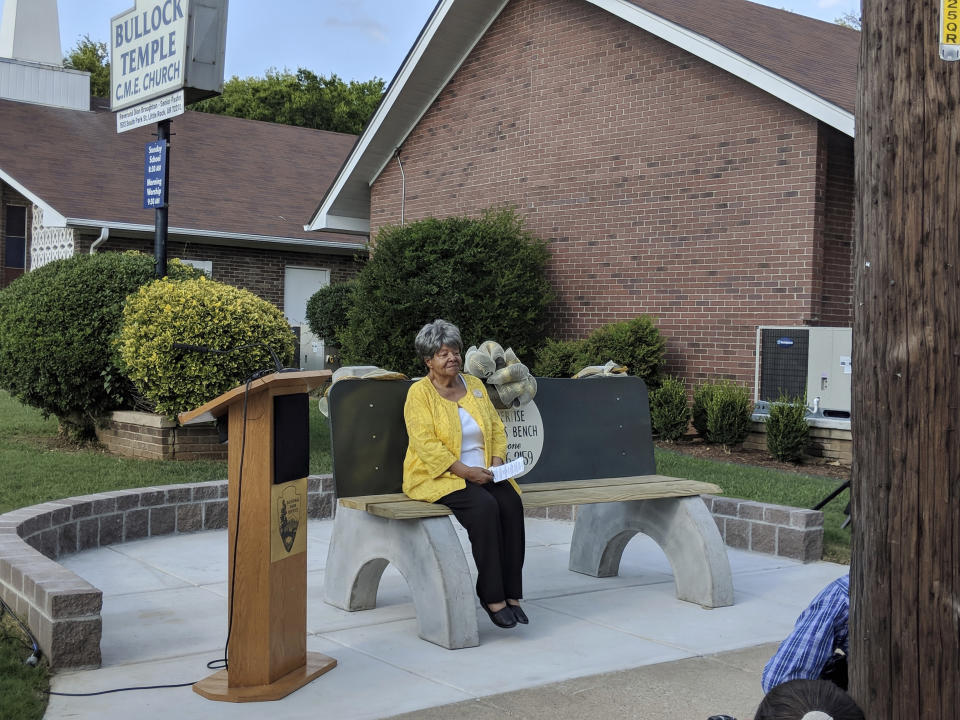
{"x":613,"y":647}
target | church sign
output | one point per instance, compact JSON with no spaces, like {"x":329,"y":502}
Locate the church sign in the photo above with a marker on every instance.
{"x":161,"y":46}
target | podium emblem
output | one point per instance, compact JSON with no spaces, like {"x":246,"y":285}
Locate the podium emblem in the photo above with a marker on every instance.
{"x":288,"y":519}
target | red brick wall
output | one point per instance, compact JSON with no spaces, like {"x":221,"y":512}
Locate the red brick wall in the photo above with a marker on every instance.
{"x":663,"y":184}
{"x":260,"y":271}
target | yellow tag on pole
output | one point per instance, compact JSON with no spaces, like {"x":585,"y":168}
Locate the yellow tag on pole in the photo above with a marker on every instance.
{"x":950,"y":30}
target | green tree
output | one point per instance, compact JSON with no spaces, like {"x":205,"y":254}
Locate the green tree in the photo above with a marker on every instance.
{"x":849,"y":20}
{"x":304,"y":99}
{"x":94,"y":57}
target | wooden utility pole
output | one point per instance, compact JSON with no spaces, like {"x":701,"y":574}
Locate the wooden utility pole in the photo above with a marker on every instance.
{"x":905,"y":571}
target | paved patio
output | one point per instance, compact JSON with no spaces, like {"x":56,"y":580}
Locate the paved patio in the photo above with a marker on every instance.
{"x":622,"y":646}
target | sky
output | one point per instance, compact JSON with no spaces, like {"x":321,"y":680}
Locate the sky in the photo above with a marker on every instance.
{"x":354,"y":39}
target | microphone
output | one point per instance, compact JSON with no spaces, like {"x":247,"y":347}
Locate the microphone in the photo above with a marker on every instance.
{"x":278,"y":366}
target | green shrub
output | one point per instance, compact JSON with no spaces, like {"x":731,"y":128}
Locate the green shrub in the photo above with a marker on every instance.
{"x":198,"y":312}
{"x":558,"y":358}
{"x":636,"y":343}
{"x":56,"y":325}
{"x":327,"y":310}
{"x":728,"y":414}
{"x":701,"y":399}
{"x":788,"y":433}
{"x":486,"y":275}
{"x":669,"y":413}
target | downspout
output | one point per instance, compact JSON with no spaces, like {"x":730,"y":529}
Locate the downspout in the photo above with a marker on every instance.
{"x":104,"y":234}
{"x":403,"y":186}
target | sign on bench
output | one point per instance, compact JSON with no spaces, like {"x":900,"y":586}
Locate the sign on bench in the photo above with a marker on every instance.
{"x":573,"y":430}
{"x":585,"y":442}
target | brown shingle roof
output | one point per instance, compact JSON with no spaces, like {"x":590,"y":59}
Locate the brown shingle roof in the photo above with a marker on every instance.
{"x":819,"y":56}
{"x":227,"y":175}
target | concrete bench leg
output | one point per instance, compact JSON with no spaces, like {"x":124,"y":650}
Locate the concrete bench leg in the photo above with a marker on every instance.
{"x":427,"y":553}
{"x":681,"y":526}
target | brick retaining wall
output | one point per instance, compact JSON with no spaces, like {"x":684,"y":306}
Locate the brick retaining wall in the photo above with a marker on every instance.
{"x":789,"y":532}
{"x":63,"y":610}
{"x":147,"y":436}
{"x":828,"y":440}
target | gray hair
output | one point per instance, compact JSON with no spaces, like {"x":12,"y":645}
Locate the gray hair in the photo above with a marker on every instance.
{"x":434,"y":336}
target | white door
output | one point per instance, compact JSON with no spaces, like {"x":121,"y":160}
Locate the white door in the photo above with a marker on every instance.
{"x":299,"y":284}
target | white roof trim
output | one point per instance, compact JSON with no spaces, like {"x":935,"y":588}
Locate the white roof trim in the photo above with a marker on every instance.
{"x":446,"y":81}
{"x":735,"y":64}
{"x":698,"y":45}
{"x":340,"y":223}
{"x":51,"y":217}
{"x":396,"y":87}
{"x":218,"y":234}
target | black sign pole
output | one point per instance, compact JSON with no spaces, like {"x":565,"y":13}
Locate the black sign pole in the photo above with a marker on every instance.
{"x":160,"y":232}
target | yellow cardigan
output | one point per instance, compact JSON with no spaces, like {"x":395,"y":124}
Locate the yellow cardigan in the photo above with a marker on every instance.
{"x":433,"y":425}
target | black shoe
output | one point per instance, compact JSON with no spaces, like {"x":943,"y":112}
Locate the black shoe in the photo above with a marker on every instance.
{"x":503,"y":617}
{"x":519,"y":614}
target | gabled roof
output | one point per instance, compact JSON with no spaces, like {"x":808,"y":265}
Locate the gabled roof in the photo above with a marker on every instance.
{"x":232,"y":181}
{"x":807,"y":63}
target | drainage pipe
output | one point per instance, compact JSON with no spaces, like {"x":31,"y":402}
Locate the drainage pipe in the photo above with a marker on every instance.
{"x":104,"y":234}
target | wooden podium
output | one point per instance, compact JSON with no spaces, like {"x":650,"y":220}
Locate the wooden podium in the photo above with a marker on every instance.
{"x":267,"y":656}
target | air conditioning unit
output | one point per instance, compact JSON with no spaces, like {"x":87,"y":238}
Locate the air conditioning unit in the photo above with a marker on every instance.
{"x":814,"y":362}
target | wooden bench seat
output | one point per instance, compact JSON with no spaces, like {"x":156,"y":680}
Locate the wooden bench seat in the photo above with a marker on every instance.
{"x":398,"y":506}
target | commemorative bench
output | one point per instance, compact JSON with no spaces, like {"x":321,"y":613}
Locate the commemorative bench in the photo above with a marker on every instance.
{"x":596,"y":453}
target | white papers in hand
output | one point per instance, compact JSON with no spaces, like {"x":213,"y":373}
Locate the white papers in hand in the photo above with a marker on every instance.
{"x":504,"y":472}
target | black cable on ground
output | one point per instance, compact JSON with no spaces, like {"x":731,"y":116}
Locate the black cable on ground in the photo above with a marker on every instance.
{"x":35,"y":657}
{"x":123,"y":689}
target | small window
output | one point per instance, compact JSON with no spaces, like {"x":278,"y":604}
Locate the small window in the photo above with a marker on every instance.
{"x":15,"y":231}
{"x":205,"y":265}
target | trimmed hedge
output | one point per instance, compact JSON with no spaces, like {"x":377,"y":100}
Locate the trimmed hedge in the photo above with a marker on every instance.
{"x":669,"y":414}
{"x":198,"y":312}
{"x":701,"y":399}
{"x":636,"y":343}
{"x":788,"y":433}
{"x":56,"y":326}
{"x":558,"y":358}
{"x":327,"y":310}
{"x":485,"y":275}
{"x":728,"y":414}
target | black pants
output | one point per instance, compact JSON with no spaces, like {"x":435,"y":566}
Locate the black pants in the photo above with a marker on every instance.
{"x":493,"y":516}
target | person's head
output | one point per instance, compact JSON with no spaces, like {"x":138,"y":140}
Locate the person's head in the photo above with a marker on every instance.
{"x":436,"y":339}
{"x":808,"y":700}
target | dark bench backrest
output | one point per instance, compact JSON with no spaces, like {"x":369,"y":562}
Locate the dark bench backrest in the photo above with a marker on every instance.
{"x":592,"y":428}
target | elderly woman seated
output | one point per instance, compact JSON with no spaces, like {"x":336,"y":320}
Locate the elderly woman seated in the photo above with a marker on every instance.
{"x":455,"y":436}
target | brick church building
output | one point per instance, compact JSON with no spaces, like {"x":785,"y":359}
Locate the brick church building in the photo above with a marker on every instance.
{"x":240,"y":190}
{"x":690,"y":160}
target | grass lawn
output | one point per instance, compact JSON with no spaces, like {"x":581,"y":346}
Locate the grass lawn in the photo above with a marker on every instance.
{"x":22,"y":687}
{"x":35,"y":468}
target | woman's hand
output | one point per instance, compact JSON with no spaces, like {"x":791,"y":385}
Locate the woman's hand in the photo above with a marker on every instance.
{"x":478,"y":475}
{"x":495,"y":461}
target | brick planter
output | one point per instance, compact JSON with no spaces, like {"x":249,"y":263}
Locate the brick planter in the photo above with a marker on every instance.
{"x":147,"y":436}
{"x":829,"y":439}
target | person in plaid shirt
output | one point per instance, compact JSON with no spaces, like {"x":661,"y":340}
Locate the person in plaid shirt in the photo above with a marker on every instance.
{"x":819,"y":643}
